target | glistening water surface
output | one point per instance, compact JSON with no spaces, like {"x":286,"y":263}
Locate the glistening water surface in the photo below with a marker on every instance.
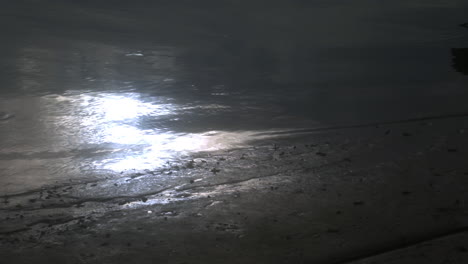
{"x":88,"y":90}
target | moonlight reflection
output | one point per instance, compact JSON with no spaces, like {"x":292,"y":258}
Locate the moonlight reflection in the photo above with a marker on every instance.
{"x":115,"y":120}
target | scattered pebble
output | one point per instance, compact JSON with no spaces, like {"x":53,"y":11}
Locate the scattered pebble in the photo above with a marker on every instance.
{"x":5,"y":116}
{"x":190,"y":164}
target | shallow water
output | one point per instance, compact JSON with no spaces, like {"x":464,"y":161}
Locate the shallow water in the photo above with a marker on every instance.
{"x":101,"y":88}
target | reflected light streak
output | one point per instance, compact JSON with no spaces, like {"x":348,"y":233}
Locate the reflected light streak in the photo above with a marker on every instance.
{"x":120,"y":108}
{"x":161,"y":147}
{"x":109,"y":119}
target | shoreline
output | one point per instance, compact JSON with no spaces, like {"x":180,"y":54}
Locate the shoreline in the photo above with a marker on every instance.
{"x":321,"y":198}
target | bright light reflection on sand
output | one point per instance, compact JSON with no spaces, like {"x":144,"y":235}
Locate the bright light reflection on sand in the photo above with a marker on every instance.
{"x":160,"y":147}
{"x":118,"y":107}
{"x":115,"y":119}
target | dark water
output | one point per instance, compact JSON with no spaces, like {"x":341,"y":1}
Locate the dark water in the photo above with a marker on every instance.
{"x":92,"y":88}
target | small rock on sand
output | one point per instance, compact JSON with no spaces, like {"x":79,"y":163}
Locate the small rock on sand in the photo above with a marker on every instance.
{"x":5,"y":116}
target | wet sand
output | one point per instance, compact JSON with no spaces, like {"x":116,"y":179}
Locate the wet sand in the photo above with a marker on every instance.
{"x":225,"y":132}
{"x":326,"y":197}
